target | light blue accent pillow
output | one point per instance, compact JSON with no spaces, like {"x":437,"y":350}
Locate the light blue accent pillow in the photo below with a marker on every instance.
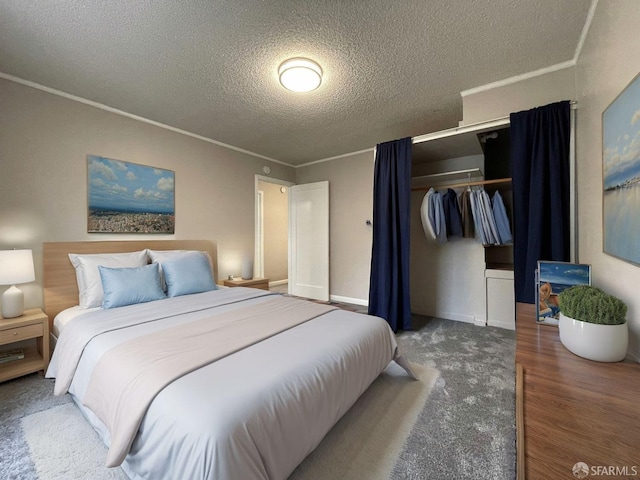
{"x":127,"y":286}
{"x":188,"y":273}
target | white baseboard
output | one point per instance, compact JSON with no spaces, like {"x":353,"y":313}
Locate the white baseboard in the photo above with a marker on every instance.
{"x":459,"y":317}
{"x":480,"y":321}
{"x":353,"y":301}
{"x":278,"y":282}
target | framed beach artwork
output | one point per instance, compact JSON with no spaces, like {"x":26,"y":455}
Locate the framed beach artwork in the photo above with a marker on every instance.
{"x":621,"y":175}
{"x":125,"y":197}
{"x":551,"y":279}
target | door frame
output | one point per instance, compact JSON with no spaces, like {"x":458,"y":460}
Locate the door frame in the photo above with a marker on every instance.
{"x":258,"y":252}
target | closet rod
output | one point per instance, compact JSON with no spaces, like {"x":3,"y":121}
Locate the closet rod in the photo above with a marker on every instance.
{"x":465,"y":184}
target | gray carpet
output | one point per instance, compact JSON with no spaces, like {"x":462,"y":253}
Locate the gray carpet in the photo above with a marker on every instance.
{"x":465,"y":430}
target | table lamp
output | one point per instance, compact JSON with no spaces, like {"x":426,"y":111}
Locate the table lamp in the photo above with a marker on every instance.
{"x":16,"y":266}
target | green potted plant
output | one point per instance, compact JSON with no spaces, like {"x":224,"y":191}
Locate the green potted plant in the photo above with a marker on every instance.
{"x":593,"y":324}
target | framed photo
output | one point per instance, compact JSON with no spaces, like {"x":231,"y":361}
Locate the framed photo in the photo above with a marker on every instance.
{"x":551,"y":279}
{"x":126,"y":197}
{"x":621,"y":174}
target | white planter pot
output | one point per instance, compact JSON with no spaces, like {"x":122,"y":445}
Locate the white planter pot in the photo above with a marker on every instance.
{"x":602,"y":343}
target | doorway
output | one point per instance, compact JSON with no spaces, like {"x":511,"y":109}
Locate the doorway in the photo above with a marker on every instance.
{"x":272,"y":231}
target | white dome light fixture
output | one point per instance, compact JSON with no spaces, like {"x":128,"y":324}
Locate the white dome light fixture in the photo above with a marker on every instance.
{"x":300,"y":74}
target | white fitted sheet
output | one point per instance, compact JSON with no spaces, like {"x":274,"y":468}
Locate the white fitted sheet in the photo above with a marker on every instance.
{"x":255,"y":414}
{"x":68,"y":314}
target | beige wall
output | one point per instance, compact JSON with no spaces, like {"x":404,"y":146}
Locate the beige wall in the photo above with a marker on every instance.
{"x":447,"y":280}
{"x":44,"y":141}
{"x":276,"y":230}
{"x":350,"y":206}
{"x":609,"y":60}
{"x":500,"y":102}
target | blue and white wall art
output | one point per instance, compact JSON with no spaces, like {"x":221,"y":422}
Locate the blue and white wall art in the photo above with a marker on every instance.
{"x":621,"y":174}
{"x":129,"y":198}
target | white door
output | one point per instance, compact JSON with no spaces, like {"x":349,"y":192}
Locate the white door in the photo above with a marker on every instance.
{"x":309,"y":240}
{"x":258,"y":258}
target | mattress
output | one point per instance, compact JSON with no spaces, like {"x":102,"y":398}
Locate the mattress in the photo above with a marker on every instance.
{"x":255,"y":414}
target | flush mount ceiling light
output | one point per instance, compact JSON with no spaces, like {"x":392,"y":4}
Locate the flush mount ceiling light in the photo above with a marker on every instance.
{"x":300,"y":75}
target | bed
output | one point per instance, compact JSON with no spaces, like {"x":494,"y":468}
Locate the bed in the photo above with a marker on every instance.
{"x":264,"y":379}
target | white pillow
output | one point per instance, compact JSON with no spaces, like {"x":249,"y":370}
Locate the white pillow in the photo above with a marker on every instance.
{"x":159,"y":256}
{"x":88,"y":276}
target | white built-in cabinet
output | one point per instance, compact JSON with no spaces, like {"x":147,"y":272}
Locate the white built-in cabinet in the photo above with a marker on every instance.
{"x":500,"y":298}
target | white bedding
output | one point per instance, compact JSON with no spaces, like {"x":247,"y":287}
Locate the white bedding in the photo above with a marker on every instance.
{"x":68,"y":314}
{"x":255,"y":414}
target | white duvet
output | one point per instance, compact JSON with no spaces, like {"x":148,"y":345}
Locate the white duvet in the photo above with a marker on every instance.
{"x":255,"y":414}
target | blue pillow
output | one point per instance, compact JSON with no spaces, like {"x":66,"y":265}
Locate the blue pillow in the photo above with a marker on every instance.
{"x":187,"y":274}
{"x":126,"y":286}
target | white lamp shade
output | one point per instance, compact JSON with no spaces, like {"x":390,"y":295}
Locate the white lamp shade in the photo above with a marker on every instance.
{"x":300,"y":75}
{"x":16,"y":266}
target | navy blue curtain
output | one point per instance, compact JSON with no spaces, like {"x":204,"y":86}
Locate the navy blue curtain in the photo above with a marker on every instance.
{"x":540,"y":172}
{"x":389,"y":281}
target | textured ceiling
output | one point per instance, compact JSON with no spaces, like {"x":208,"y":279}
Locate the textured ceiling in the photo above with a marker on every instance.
{"x":391,"y":68}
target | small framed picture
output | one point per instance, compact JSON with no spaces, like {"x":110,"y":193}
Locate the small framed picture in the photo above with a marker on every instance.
{"x":551,"y":279}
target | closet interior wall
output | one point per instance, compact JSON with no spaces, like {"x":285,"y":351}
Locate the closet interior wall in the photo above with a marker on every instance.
{"x":449,"y":280}
{"x":496,"y":165}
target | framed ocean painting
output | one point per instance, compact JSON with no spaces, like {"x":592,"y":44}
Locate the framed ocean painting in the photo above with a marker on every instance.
{"x":621,"y":175}
{"x":552,"y":278}
{"x":125,"y":197}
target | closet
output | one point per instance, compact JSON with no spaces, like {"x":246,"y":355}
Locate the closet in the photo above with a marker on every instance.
{"x":462,"y":279}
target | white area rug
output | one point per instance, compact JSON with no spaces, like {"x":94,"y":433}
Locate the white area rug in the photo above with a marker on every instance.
{"x":63,"y":446}
{"x":365,"y":443}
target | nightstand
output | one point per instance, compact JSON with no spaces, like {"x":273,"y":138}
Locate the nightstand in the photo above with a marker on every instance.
{"x":261,"y":283}
{"x":30,"y":332}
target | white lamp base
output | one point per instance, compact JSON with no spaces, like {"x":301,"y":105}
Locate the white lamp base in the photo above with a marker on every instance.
{"x":247,"y":270}
{"x":12,"y":303}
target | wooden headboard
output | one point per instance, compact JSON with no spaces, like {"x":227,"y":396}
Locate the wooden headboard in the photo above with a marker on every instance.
{"x":60,"y":285}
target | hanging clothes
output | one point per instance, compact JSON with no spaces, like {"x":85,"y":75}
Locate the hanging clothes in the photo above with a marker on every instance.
{"x":488,"y":218}
{"x":437,"y":211}
{"x":477,"y":218}
{"x":471,"y":214}
{"x":468,"y":228}
{"x":452,"y":216}
{"x":427,"y":224}
{"x":501,"y":218}
{"x":486,"y":229}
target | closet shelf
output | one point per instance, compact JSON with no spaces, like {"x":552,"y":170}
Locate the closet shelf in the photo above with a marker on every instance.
{"x":449,"y":176}
{"x":497,"y":181}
